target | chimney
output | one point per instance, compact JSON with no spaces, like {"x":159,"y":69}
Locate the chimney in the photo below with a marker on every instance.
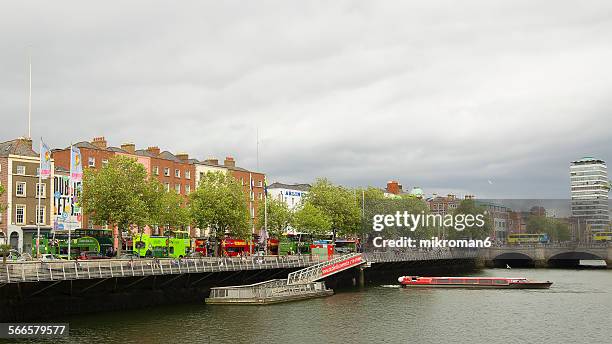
{"x":99,"y":142}
{"x":229,"y":162}
{"x":212,"y":161}
{"x":394,"y":187}
{"x":154,"y":150}
{"x":129,"y":147}
{"x":182,"y":156}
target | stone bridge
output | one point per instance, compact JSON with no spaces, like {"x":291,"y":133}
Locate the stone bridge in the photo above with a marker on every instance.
{"x":546,"y":255}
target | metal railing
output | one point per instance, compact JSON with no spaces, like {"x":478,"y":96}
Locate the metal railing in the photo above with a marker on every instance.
{"x":17,"y":272}
{"x":36,"y":271}
{"x":315,"y":272}
{"x":277,"y":288}
{"x":418,"y":255}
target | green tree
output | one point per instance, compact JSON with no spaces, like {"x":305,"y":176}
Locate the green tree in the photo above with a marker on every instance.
{"x":168,"y":208}
{"x":219,"y":203}
{"x":312,"y":220}
{"x":556,"y":229}
{"x":470,"y":207}
{"x":4,"y":252}
{"x":118,"y":194}
{"x":279,"y":216}
{"x":340,"y":204}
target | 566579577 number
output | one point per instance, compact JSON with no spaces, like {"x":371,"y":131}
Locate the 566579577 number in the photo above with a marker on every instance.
{"x":31,"y":330}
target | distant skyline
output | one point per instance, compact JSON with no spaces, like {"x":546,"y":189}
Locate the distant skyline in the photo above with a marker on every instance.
{"x":491,"y":98}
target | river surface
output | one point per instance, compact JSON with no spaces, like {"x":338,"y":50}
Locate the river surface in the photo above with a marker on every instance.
{"x":577,"y":309}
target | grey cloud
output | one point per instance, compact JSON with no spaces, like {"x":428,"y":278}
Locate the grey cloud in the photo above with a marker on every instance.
{"x":437,"y":95}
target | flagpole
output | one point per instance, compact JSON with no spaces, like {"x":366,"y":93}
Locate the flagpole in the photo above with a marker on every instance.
{"x":71,"y":191}
{"x":39,"y":194}
{"x":266,"y":217}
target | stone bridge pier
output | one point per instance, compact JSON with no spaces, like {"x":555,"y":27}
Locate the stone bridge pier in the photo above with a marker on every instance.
{"x":545,"y":255}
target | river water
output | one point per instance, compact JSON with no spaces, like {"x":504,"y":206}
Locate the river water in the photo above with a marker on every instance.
{"x":577,"y":309}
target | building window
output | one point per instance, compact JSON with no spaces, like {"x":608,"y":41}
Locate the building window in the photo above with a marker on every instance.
{"x":40,"y":215}
{"x":21,"y":170}
{"x":104,"y":162}
{"x":20,"y":189}
{"x":260,"y":196}
{"x":166,"y":171}
{"x":187,"y":174}
{"x":91,"y":161}
{"x":187,"y":189}
{"x":177,"y":173}
{"x":241,"y":181}
{"x":167,"y":187}
{"x":156,"y":170}
{"x":177,"y":188}
{"x":20,"y":211}
{"x":260,"y":183}
{"x":41,"y":190}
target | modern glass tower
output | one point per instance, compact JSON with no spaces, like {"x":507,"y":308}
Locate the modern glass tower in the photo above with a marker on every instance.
{"x":589,"y":190}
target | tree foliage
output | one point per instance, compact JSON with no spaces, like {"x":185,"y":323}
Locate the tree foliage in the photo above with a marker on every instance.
{"x":312,"y":220}
{"x":168,"y":208}
{"x":556,"y":229}
{"x":219,"y":203}
{"x":279,"y":216}
{"x":339,"y":204}
{"x":470,"y":207}
{"x":2,"y":206}
{"x":119,"y":194}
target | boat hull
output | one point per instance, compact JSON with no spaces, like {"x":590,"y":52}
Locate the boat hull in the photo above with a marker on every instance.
{"x":529,"y":285}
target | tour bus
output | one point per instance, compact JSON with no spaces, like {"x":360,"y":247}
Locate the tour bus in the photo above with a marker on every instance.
{"x":602,"y":236}
{"x":528,"y":238}
{"x":346,"y":246}
{"x":231,"y":247}
{"x":173,"y":244}
{"x":294,"y":244}
{"x":56,"y":243}
{"x":201,"y":245}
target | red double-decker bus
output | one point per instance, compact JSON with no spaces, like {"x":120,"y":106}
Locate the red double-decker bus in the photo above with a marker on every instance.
{"x":231,"y":247}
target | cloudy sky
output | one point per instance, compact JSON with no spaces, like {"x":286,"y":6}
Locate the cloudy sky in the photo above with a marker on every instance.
{"x":492,"y":98}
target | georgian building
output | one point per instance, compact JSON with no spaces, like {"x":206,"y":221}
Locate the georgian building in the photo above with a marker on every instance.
{"x":19,"y":222}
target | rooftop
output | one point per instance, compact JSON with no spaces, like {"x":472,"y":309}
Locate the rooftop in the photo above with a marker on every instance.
{"x":300,"y":187}
{"x":20,"y":146}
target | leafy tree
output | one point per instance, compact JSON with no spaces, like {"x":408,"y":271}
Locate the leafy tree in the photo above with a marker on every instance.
{"x":219,"y":203}
{"x":167,"y":208}
{"x":556,"y":229}
{"x":339,"y":204}
{"x":312,"y":220}
{"x":118,"y":194}
{"x":470,"y":207}
{"x":4,"y":252}
{"x":279,"y":216}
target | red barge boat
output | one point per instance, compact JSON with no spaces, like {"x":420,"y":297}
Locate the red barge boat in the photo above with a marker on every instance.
{"x":472,"y":282}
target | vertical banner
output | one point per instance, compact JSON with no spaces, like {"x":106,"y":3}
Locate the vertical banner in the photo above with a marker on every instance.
{"x":76,"y":167}
{"x":45,"y":160}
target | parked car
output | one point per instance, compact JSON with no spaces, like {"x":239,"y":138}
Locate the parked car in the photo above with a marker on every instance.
{"x":91,"y":255}
{"x":196,"y":255}
{"x":128,"y":256}
{"x":47,"y":257}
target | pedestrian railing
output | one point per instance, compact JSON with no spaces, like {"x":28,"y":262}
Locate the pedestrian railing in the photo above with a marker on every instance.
{"x":37,"y":271}
{"x":418,"y":255}
{"x":315,"y":272}
{"x":17,"y":272}
{"x":277,"y":288}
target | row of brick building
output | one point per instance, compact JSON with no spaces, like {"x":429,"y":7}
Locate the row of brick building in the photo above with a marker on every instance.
{"x":19,"y":164}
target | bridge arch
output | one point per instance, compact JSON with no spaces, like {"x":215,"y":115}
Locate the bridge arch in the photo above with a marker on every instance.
{"x":513,"y":259}
{"x":571,"y":259}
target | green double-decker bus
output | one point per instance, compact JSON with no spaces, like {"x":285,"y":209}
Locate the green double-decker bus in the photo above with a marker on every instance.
{"x":81,"y":240}
{"x":174,"y":244}
{"x":294,"y":244}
